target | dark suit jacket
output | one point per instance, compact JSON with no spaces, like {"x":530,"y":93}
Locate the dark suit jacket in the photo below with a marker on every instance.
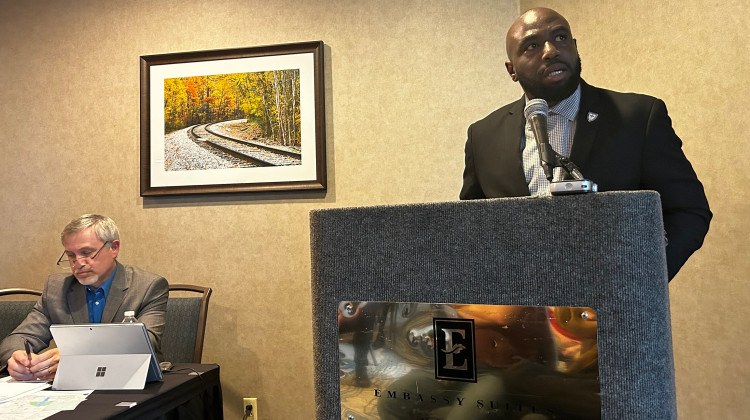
{"x":630,"y":145}
{"x":64,"y":302}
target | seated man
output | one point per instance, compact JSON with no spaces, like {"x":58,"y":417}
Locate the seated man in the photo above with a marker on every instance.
{"x":100,"y":289}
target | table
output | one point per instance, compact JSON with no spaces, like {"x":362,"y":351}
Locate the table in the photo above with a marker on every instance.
{"x":181,"y":395}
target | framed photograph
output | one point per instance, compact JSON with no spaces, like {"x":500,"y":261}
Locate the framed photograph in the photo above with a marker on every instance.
{"x":235,"y":120}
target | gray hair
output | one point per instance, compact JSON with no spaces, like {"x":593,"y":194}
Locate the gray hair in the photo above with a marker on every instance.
{"x":104,"y":227}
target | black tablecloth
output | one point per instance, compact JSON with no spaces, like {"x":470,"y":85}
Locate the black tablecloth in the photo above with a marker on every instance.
{"x":181,"y":395}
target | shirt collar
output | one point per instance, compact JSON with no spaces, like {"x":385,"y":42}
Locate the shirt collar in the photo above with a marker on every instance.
{"x":568,"y":107}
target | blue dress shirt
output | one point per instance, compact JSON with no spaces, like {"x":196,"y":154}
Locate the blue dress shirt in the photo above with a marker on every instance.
{"x":96,"y":299}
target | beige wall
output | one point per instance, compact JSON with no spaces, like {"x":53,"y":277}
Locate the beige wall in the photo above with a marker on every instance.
{"x":405,"y":78}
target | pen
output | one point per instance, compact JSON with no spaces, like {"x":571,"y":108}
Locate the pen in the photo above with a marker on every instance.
{"x":28,"y":349}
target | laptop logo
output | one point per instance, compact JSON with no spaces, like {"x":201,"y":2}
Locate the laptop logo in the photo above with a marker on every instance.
{"x":100,"y":371}
{"x":455,"y":353}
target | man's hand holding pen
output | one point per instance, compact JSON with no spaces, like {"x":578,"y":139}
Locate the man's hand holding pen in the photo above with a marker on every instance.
{"x":24,"y":365}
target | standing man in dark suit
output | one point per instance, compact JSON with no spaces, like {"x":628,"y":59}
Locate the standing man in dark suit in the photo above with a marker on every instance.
{"x":99,"y":290}
{"x":621,"y":141}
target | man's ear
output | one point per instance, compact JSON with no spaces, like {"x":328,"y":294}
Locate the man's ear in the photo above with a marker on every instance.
{"x":511,"y":71}
{"x":114,"y":246}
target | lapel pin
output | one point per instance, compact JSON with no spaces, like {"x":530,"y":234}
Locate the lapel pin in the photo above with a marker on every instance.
{"x":592,"y":116}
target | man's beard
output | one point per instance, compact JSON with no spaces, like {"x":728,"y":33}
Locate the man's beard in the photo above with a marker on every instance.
{"x":553,"y":94}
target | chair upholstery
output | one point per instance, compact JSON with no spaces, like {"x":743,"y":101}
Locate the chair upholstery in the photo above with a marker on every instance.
{"x":12,"y":312}
{"x":182,"y":341}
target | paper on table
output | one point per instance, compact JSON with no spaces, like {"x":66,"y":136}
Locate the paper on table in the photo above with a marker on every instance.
{"x":10,"y":388}
{"x":42,"y":404}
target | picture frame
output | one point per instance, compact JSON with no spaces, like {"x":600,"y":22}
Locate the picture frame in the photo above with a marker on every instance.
{"x":233,"y":120}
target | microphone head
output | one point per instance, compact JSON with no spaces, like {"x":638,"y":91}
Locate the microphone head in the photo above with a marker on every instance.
{"x":536,"y":107}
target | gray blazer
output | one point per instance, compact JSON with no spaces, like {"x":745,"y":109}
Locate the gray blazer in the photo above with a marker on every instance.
{"x":64,"y":302}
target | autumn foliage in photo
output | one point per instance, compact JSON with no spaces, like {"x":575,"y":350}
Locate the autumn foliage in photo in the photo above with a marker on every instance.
{"x":270,"y":100}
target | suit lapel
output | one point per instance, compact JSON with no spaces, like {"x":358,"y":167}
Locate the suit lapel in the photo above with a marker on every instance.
{"x":587,"y":125}
{"x":513,"y":129}
{"x":77,"y":305}
{"x":116,"y":296}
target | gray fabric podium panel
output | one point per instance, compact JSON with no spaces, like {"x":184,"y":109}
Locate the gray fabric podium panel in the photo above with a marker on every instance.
{"x":603,"y":250}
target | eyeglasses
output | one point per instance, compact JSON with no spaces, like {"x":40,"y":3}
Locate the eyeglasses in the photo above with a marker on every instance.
{"x":72,"y":258}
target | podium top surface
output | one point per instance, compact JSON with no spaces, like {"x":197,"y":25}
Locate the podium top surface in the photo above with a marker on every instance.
{"x":613,"y":198}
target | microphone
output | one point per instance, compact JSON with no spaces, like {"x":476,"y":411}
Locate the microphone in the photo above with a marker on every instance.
{"x":536,"y":113}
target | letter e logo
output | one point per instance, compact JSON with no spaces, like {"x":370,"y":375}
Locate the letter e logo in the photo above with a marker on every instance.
{"x":455,"y":355}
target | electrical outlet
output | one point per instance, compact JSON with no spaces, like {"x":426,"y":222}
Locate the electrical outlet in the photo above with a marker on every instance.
{"x":250,"y":406}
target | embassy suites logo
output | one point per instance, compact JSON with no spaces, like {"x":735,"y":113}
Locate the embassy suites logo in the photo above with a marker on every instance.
{"x":455,"y":360}
{"x":455,"y":351}
{"x":424,"y":405}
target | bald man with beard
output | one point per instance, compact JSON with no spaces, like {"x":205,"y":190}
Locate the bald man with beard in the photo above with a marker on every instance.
{"x":621,"y":141}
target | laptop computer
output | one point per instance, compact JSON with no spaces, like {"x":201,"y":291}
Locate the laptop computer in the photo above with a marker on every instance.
{"x":104,"y":356}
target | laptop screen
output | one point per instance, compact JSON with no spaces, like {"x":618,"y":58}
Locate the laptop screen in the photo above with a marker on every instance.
{"x":106,"y":339}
